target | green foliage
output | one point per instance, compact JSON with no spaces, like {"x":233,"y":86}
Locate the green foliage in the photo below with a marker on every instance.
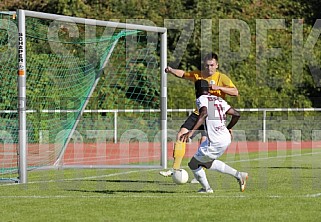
{"x":252,"y":74}
{"x":288,"y":78}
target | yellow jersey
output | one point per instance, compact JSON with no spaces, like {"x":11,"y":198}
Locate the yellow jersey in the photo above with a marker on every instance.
{"x":217,"y":78}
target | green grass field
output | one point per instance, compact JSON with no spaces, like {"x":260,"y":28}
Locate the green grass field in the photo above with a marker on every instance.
{"x":284,"y":186}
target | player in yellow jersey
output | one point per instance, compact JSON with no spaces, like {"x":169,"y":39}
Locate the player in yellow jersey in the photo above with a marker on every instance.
{"x":220,"y":84}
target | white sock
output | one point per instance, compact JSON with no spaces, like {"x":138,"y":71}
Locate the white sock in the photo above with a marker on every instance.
{"x":200,"y":175}
{"x":224,"y":168}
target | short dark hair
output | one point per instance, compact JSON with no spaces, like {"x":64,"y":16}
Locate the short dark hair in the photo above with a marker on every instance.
{"x":211,"y":56}
{"x":201,"y":86}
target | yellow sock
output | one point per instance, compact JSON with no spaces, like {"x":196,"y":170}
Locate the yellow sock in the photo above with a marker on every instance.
{"x":179,"y":152}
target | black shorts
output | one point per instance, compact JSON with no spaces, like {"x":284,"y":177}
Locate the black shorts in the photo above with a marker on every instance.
{"x":190,"y":122}
{"x":195,"y":164}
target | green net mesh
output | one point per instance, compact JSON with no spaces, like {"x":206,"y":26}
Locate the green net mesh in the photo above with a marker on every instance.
{"x":64,"y":62}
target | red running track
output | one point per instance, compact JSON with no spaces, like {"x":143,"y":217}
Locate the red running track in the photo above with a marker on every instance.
{"x":127,"y":153}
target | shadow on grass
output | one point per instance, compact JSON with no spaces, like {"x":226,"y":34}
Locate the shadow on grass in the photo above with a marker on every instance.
{"x":133,"y":181}
{"x":122,"y":191}
{"x":290,"y":168}
{"x":142,"y":191}
{"x":294,"y":167}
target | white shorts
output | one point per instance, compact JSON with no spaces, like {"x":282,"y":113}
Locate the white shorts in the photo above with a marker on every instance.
{"x":209,"y":152}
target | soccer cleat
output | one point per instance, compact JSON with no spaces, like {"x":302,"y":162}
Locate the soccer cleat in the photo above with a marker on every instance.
{"x":208,"y":190}
{"x":194,"y":181}
{"x":166,"y":173}
{"x":242,"y":180}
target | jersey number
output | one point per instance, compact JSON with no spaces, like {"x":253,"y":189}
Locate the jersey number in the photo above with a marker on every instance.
{"x":220,"y":111}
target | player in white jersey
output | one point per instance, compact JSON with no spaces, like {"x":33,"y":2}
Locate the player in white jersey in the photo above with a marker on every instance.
{"x":212,"y":111}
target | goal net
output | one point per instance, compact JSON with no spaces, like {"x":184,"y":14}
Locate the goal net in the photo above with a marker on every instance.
{"x":91,"y":93}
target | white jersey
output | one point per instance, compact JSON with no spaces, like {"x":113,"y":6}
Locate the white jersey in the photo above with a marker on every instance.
{"x":218,"y":135}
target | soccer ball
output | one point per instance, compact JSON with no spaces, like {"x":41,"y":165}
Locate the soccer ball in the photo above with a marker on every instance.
{"x":180,"y":176}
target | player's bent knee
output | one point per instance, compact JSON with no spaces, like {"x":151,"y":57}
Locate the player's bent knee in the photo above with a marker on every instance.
{"x":193,"y":164}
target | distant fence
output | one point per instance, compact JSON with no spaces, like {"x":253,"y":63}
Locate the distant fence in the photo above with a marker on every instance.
{"x":255,"y":124}
{"x":293,"y":123}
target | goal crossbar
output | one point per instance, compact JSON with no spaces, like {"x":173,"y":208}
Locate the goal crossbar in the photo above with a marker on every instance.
{"x":22,"y":85}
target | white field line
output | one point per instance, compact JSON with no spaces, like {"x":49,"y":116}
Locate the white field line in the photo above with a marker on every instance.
{"x":82,"y":178}
{"x":122,"y":196}
{"x":212,"y":196}
{"x":136,"y":171}
{"x":314,"y":195}
{"x":274,"y":157}
{"x":155,"y":196}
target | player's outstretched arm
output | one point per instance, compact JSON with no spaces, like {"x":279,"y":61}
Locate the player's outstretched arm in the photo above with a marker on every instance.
{"x":177,"y":72}
{"x":232,"y":91}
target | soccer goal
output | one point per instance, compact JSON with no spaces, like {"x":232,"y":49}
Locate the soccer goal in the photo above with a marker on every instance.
{"x":81,"y":84}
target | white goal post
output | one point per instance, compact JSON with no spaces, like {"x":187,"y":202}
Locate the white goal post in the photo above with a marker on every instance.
{"x":23,"y":59}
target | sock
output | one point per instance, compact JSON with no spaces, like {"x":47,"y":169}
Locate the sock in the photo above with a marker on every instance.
{"x":224,"y":168}
{"x":200,"y":175}
{"x":179,"y":152}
